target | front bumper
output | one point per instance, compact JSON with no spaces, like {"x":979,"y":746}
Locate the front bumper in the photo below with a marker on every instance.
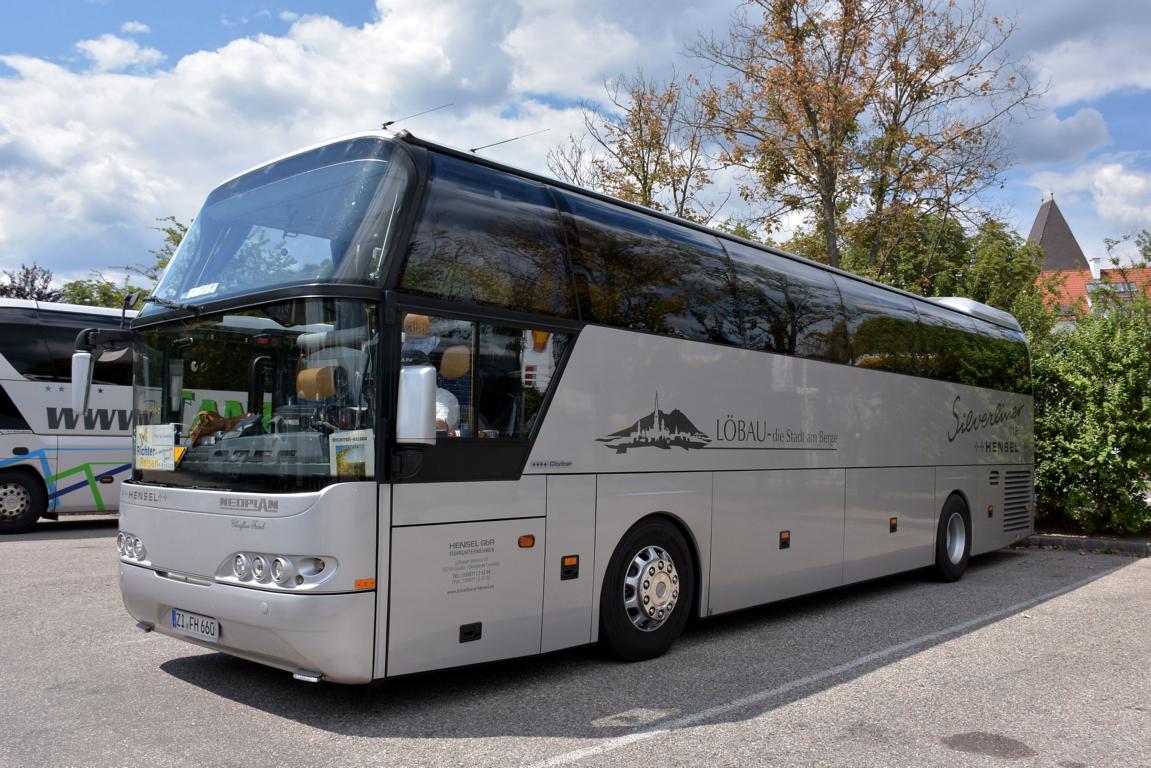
{"x":332,"y":634}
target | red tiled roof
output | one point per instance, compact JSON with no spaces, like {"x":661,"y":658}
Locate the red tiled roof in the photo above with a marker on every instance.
{"x":1073,"y":288}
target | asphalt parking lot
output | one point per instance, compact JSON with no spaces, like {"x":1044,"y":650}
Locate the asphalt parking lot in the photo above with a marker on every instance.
{"x":1035,"y":658}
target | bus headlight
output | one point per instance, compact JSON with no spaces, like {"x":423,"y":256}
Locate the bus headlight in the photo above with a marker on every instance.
{"x":271,"y":570}
{"x":242,"y":566}
{"x":129,"y":546}
{"x":282,"y":570}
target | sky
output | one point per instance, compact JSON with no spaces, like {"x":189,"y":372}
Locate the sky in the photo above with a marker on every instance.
{"x":114,"y":113}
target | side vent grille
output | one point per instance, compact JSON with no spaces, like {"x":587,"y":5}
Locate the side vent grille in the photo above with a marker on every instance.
{"x":1017,"y":491}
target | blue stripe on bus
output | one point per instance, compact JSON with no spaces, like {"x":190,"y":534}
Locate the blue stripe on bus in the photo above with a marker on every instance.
{"x":86,"y":484}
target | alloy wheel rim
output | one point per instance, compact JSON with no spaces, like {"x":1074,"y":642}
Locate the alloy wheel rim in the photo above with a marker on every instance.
{"x":650,"y":588}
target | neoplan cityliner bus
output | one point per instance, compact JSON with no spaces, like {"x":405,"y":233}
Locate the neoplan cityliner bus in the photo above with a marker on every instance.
{"x":55,"y":460}
{"x":488,"y":414}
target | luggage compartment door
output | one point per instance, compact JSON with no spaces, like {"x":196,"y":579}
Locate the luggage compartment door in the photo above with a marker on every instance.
{"x":463,"y":593}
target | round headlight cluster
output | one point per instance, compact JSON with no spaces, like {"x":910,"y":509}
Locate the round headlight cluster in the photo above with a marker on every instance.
{"x":275,"y":570}
{"x":129,"y":546}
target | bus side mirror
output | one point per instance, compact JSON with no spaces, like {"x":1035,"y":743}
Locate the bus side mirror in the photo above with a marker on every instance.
{"x":81,"y":381}
{"x":416,"y":414}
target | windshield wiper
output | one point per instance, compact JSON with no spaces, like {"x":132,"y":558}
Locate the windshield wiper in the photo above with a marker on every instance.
{"x":193,"y":308}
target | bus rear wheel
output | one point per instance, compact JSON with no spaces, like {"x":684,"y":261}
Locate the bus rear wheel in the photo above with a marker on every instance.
{"x":648,"y":592}
{"x":22,"y":503}
{"x":953,"y":540}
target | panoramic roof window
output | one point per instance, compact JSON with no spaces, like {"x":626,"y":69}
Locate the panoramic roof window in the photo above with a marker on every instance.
{"x":323,"y":216}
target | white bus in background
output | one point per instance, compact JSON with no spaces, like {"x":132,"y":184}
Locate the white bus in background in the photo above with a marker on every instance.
{"x":650,"y":421}
{"x":53,"y":460}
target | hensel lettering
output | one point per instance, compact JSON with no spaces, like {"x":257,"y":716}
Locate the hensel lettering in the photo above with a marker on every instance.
{"x":971,"y":420}
{"x":250,"y":505}
{"x":453,"y":546}
{"x":154,"y":497}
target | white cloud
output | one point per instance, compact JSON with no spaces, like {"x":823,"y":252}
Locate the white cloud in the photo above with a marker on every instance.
{"x":551,"y":49}
{"x":289,"y":16}
{"x":89,"y":159}
{"x":135,"y":28}
{"x":1123,"y":195}
{"x":1118,"y":189}
{"x":1088,"y":68}
{"x":109,"y":53}
{"x":1046,"y":138}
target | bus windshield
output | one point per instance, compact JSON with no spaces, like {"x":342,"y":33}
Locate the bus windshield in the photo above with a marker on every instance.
{"x":322,"y":216}
{"x":276,"y":397}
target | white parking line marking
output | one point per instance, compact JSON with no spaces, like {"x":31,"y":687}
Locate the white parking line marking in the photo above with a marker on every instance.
{"x":566,"y":758}
{"x":633,"y":718}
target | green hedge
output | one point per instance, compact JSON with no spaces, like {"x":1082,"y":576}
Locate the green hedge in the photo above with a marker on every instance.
{"x":1093,"y":420}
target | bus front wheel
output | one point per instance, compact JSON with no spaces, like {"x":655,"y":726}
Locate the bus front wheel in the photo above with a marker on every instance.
{"x":648,"y":592}
{"x":953,"y":540}
{"x":22,"y":502}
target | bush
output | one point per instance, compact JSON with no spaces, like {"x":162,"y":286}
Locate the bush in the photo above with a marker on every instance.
{"x":1093,"y":419}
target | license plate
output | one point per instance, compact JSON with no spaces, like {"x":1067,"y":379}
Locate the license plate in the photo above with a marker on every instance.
{"x":195,"y":625}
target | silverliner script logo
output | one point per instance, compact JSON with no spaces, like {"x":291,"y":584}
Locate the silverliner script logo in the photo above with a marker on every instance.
{"x":970,"y":420}
{"x":250,"y":505}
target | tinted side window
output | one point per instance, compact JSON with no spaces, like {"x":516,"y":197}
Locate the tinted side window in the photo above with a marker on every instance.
{"x":637,"y":271}
{"x":1016,"y":361}
{"x":59,"y":332}
{"x":20,"y":343}
{"x":951,"y":349}
{"x":883,"y":328}
{"x":491,"y":380}
{"x":786,"y":306}
{"x":999,"y":359}
{"x":10,"y":417}
{"x":490,"y":238}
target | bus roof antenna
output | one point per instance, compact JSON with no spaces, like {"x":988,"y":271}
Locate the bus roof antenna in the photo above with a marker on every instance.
{"x":473,"y":150}
{"x":409,"y":117}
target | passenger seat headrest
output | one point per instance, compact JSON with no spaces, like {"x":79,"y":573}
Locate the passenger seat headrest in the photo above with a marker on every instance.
{"x":456,"y":362}
{"x":417,"y":325}
{"x":320,"y":383}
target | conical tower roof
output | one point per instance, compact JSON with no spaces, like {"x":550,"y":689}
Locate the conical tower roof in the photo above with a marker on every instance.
{"x":1061,"y":251}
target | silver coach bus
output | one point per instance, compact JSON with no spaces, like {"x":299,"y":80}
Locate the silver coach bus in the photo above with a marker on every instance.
{"x":480,"y":414}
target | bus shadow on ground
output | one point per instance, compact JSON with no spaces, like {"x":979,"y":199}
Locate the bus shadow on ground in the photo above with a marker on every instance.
{"x":802,"y":646}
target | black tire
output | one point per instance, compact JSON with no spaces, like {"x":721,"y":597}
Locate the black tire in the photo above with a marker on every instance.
{"x":22,"y":502}
{"x":625,"y":632}
{"x":951,"y":553}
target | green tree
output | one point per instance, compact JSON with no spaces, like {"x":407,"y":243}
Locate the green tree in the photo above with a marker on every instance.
{"x":97,"y":291}
{"x":173,"y":231}
{"x":881,"y":109}
{"x":1093,"y":418}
